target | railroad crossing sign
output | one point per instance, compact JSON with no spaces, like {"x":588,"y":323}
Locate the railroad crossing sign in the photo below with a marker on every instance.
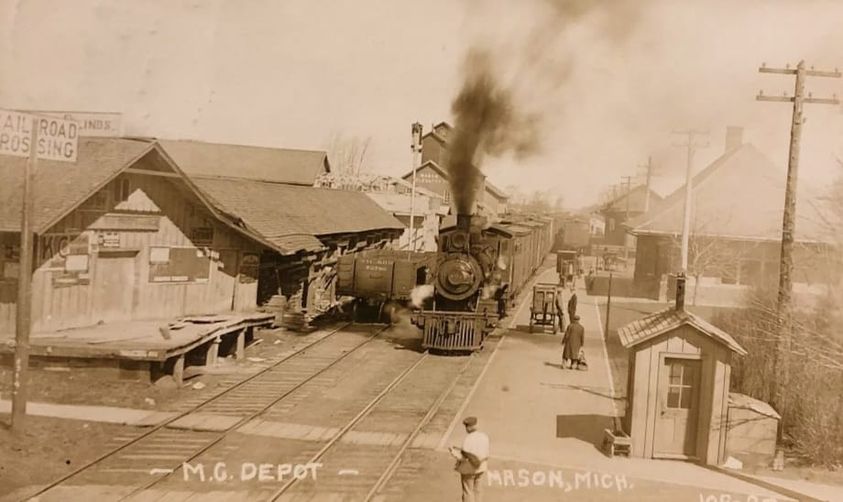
{"x":57,"y":138}
{"x":34,"y":137}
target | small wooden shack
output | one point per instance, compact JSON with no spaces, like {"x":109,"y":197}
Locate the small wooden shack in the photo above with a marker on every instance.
{"x":678,"y":384}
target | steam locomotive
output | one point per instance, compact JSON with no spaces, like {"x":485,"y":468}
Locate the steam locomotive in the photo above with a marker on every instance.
{"x":463,"y":278}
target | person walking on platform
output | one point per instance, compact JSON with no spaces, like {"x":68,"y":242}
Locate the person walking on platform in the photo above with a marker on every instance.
{"x":572,"y":306}
{"x":471,"y":460}
{"x":572,"y":344}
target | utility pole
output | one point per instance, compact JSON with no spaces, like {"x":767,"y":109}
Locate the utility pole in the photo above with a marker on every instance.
{"x":628,"y":183}
{"x":649,"y":178}
{"x":691,"y":145}
{"x":23,"y":311}
{"x":784,"y":306}
{"x":416,"y":147}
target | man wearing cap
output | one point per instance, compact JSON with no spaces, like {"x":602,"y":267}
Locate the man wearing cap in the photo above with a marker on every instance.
{"x":471,"y":460}
{"x":572,"y":343}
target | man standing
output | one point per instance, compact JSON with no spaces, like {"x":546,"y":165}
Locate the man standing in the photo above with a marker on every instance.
{"x":572,"y":343}
{"x":471,"y":460}
{"x":559,"y":310}
{"x":572,"y":306}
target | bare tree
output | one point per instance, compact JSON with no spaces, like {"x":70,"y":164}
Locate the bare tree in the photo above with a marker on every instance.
{"x":347,"y":154}
{"x":712,"y":256}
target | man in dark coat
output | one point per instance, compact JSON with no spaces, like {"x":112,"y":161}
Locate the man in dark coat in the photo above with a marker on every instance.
{"x":501,"y":296}
{"x":572,"y":343}
{"x":572,"y":306}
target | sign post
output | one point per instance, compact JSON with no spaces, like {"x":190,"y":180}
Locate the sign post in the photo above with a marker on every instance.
{"x":33,"y":137}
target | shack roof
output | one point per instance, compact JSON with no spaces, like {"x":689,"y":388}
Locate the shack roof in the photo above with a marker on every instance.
{"x":294,"y":217}
{"x":280,"y":165}
{"x":59,"y":187}
{"x":661,"y":322}
{"x":721,"y":207}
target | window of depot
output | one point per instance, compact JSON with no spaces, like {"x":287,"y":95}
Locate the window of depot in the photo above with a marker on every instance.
{"x":121,"y":189}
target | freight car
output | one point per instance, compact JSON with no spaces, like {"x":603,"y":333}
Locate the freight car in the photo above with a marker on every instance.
{"x":380,"y":280}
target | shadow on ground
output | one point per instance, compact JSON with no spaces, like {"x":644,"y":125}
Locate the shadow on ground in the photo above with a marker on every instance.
{"x":588,"y":428}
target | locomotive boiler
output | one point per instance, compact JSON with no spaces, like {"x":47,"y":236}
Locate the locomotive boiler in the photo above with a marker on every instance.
{"x":462,"y":311}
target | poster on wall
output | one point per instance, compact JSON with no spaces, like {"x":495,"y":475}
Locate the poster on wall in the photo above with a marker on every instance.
{"x":249,"y":268}
{"x":67,"y":256}
{"x":202,"y":236}
{"x":172,"y":264}
{"x":9,"y":259}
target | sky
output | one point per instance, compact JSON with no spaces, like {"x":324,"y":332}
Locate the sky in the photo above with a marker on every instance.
{"x":606,"y":81}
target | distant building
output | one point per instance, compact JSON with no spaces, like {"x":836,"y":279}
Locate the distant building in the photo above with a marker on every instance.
{"x":735,"y":237}
{"x":432,"y":174}
{"x":626,"y":206}
{"x":395,"y":196}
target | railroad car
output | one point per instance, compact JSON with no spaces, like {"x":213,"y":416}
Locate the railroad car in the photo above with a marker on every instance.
{"x":380,"y":280}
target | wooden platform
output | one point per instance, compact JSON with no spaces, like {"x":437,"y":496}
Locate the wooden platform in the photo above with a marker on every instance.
{"x":157,"y":347}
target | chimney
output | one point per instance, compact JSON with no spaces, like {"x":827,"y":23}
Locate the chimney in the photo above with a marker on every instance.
{"x":734,"y":138}
{"x":680,"y":292}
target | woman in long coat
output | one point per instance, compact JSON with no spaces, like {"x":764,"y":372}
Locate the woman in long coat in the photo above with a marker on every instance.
{"x":572,"y":342}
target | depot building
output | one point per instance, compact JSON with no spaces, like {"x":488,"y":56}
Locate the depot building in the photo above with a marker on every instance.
{"x":125,"y":233}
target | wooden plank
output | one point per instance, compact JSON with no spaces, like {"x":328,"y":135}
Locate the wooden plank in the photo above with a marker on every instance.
{"x":240,"y":347}
{"x":640,"y":413}
{"x":653,"y":396}
{"x":178,"y":371}
{"x":212,"y":354}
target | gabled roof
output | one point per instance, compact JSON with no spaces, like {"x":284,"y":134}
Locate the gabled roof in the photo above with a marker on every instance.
{"x":60,"y":187}
{"x":294,"y":217}
{"x":661,"y":322}
{"x":280,"y":165}
{"x":637,"y":200}
{"x":497,"y":192}
{"x":433,"y":132}
{"x":740,"y":195}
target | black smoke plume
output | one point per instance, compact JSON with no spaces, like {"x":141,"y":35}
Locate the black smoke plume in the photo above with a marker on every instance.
{"x":487,"y":122}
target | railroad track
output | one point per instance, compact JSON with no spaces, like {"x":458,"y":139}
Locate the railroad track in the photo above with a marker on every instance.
{"x":137,"y":463}
{"x":362,"y":457}
{"x":364,"y":441}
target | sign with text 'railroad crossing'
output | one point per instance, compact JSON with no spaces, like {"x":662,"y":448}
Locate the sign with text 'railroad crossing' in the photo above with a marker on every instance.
{"x":58,"y":139}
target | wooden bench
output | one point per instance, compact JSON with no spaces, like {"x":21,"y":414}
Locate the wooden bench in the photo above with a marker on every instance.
{"x":616,"y":442}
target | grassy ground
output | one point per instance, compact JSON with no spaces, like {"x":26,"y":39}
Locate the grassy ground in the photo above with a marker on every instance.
{"x":49,"y":448}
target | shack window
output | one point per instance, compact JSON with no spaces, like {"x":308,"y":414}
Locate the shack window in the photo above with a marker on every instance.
{"x":680,"y":385}
{"x":174,"y":264}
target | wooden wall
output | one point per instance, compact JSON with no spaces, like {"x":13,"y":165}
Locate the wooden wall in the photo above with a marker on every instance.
{"x":714,"y":391}
{"x":77,"y":302}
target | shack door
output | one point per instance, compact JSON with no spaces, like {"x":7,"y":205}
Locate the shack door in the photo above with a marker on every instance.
{"x":678,"y":409}
{"x":114,"y":285}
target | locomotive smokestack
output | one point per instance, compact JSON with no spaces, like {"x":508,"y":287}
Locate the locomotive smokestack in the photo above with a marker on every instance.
{"x":464,"y":222}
